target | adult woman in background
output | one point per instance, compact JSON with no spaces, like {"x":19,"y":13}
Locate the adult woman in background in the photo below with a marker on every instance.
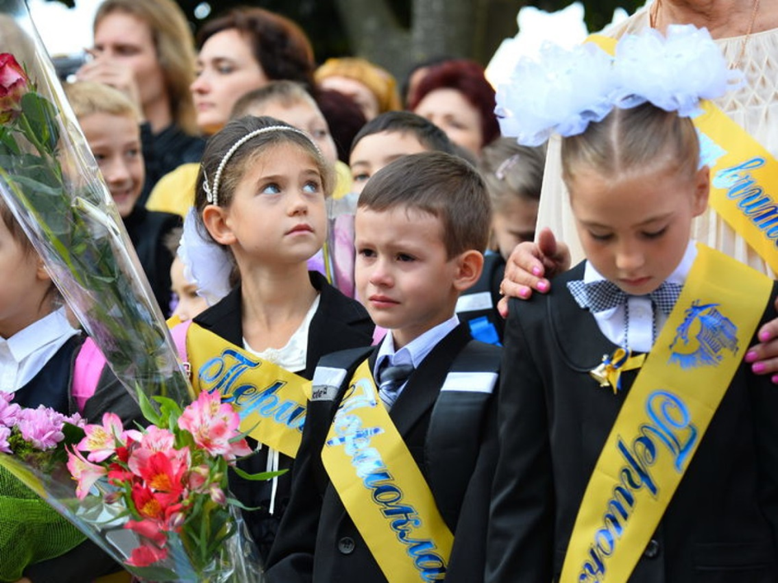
{"x":457,"y":98}
{"x":145,"y":49}
{"x":241,"y":51}
{"x":372,"y":88}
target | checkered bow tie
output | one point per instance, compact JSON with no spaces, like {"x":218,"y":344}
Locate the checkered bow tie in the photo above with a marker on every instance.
{"x":390,"y":379}
{"x":598,"y":296}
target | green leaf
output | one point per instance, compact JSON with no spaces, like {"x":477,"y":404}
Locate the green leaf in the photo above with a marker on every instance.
{"x":260,"y":477}
{"x":148,"y":409}
{"x":238,"y":504}
{"x":42,"y":116}
{"x":170,"y":410}
{"x":8,"y":145}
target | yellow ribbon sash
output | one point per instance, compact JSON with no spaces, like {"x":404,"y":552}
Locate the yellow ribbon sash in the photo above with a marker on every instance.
{"x":665,"y":416}
{"x":744,"y":175}
{"x":383,"y":489}
{"x":270,"y":400}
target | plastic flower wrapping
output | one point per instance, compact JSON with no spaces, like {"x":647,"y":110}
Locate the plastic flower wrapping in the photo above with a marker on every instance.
{"x":51,"y":183}
{"x":563,"y":91}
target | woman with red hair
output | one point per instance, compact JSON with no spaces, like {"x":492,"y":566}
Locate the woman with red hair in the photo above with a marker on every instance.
{"x":456,"y":97}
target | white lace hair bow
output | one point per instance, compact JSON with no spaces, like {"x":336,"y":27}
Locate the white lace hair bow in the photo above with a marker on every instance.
{"x":207,"y":264}
{"x":564,"y":90}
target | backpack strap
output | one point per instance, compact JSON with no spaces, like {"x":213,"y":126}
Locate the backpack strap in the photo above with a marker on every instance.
{"x":330,"y":379}
{"x":456,"y":425}
{"x":178,"y":333}
{"x":477,"y":306}
{"x":87,"y":369}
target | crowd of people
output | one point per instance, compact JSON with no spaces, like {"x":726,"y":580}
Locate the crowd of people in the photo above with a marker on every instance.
{"x":540,"y":324}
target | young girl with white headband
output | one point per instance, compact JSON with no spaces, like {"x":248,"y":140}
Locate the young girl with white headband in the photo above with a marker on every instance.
{"x":259,"y":216}
{"x":636,"y":446}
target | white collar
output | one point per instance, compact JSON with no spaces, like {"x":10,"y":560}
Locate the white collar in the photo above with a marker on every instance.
{"x":417,"y":349}
{"x":38,"y":334}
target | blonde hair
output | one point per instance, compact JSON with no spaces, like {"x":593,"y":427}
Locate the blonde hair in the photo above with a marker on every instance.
{"x":633,"y":140}
{"x":87,"y":98}
{"x":284,"y":93}
{"x":512,"y":171}
{"x":379,"y":81}
{"x":174,"y":42}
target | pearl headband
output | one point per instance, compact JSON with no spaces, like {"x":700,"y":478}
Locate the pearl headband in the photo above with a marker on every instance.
{"x":212,"y":193}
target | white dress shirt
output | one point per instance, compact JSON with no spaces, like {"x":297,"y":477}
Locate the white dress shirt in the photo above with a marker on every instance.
{"x":640,"y":328}
{"x":23,"y":355}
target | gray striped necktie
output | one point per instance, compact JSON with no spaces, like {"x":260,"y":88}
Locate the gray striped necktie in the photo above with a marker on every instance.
{"x":390,"y":379}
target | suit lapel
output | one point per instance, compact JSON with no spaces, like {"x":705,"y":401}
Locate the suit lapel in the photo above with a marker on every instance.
{"x":580,"y":342}
{"x":224,"y":318}
{"x":421,"y":392}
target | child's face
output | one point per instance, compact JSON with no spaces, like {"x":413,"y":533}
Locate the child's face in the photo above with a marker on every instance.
{"x":226,"y":69}
{"x":307,"y":117}
{"x":277,"y":214}
{"x":514,"y":223}
{"x":189,"y":303}
{"x":375,"y":151}
{"x":115,"y":143}
{"x":24,"y":288}
{"x":403,"y":275}
{"x":635,"y":229}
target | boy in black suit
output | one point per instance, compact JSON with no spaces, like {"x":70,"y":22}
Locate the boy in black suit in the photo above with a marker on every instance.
{"x":622,"y":467}
{"x":392,"y":484}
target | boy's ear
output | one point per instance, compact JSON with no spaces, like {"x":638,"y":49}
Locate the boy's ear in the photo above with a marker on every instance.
{"x":469,"y":266}
{"x":215,"y":220}
{"x":41,"y":272}
{"x":701,"y":190}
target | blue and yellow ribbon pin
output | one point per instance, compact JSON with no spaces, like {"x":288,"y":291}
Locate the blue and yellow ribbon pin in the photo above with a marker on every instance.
{"x":608,"y":372}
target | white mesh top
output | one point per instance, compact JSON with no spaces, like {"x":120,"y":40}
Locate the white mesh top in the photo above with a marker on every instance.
{"x":754,"y":107}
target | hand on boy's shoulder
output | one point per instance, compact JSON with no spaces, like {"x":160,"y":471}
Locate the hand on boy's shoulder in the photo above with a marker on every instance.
{"x":530,"y":267}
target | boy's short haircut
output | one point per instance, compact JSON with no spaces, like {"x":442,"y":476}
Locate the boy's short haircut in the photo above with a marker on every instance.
{"x":87,"y":98}
{"x":442,"y":185}
{"x":404,"y":122}
{"x":286,"y":93}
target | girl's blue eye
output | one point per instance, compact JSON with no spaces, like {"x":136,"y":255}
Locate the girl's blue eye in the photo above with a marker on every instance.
{"x":271,"y":188}
{"x":600,"y":237}
{"x":366,"y":252}
{"x":312,"y":187}
{"x":405,"y":257}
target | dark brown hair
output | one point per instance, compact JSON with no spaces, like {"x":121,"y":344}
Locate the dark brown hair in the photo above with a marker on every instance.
{"x":442,"y":185}
{"x":278,"y":44}
{"x":222,"y":141}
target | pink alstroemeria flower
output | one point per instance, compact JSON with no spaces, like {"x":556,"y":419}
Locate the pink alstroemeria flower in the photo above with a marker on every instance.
{"x":214,"y":426}
{"x":148,"y":529}
{"x":101,"y":441}
{"x":146,"y":554}
{"x":84,"y":472}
